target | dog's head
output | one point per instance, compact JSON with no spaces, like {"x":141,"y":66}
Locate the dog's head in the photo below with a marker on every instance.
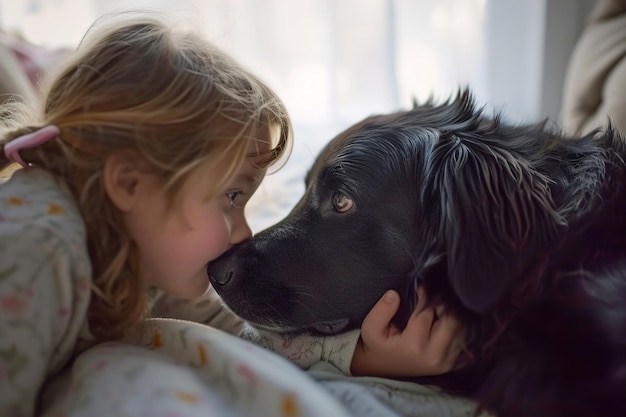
{"x":440,"y":195}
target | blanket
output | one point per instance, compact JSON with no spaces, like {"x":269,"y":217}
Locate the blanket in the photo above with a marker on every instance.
{"x":175,"y":368}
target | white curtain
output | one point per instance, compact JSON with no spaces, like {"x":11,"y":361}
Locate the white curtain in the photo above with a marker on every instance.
{"x":337,"y":61}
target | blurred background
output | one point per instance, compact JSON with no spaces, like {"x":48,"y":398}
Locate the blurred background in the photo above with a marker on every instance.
{"x":335,"y":62}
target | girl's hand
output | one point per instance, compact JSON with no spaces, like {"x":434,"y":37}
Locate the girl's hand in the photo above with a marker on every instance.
{"x":429,"y":345}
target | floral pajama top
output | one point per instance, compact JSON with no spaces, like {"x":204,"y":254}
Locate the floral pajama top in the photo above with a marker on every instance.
{"x":45,"y":278}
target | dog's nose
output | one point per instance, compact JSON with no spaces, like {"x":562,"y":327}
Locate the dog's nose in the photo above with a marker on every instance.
{"x":221,"y":279}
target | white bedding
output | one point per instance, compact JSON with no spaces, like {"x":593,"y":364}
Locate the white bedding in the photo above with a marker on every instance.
{"x":175,"y":368}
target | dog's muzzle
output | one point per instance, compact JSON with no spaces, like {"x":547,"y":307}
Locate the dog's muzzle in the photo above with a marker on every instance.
{"x":221,"y":279}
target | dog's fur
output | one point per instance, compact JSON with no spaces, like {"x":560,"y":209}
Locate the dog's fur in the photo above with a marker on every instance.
{"x":519,"y":230}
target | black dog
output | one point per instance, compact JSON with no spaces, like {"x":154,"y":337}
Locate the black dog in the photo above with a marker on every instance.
{"x":520,"y":230}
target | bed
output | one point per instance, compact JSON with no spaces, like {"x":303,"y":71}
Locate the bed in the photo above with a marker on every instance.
{"x":180,"y":368}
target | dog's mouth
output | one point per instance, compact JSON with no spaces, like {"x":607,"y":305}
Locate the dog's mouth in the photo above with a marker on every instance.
{"x":332,"y":326}
{"x":323,"y":327}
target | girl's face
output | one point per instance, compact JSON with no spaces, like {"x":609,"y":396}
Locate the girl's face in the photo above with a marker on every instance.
{"x":174,"y":246}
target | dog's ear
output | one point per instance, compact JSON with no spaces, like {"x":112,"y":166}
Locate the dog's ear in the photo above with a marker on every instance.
{"x":493,"y":213}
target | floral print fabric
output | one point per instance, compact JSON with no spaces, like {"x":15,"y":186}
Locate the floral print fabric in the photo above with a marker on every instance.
{"x":175,"y":368}
{"x":44,"y":286}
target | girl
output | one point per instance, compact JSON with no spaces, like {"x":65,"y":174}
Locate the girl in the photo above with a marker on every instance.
{"x":135,"y":174}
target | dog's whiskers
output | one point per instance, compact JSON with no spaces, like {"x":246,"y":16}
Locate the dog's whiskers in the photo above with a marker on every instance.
{"x":327,"y":305}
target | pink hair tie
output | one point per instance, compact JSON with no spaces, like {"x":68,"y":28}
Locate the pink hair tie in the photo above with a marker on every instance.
{"x":29,"y":141}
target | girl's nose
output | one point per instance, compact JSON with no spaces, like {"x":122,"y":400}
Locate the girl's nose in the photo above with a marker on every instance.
{"x":241,"y":231}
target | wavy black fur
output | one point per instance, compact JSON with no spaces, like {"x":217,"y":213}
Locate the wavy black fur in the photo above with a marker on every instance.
{"x":521,"y":230}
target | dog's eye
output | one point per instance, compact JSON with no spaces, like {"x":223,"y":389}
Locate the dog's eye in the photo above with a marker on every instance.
{"x":341,"y":203}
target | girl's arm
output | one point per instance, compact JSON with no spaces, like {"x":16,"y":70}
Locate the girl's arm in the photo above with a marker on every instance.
{"x":429,"y":345}
{"x":208,"y":309}
{"x":303,"y":350}
{"x":426,"y":347}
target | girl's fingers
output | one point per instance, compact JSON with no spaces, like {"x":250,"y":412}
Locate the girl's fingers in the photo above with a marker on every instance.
{"x":447,"y":326}
{"x":419,"y":327}
{"x":421,"y":300}
{"x":440,"y":309}
{"x":447,"y":335}
{"x":377,"y":322}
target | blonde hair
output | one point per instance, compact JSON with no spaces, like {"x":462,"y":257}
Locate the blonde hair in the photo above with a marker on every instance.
{"x":137,"y":83}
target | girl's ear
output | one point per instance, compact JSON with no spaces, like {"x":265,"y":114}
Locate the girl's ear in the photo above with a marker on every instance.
{"x":122,"y":176}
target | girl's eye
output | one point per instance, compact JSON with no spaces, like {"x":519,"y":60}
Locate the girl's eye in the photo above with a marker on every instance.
{"x":342,"y":203}
{"x":233,"y":197}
